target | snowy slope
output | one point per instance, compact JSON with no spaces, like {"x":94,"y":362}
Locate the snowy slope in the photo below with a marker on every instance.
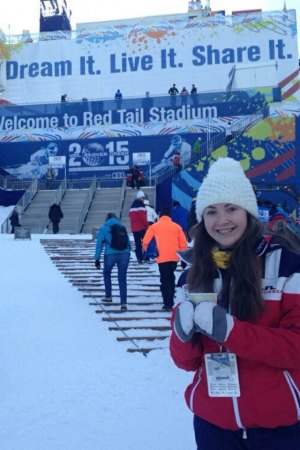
{"x":65,"y":380}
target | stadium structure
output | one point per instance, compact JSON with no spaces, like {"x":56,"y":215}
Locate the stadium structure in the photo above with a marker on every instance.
{"x":59,"y":106}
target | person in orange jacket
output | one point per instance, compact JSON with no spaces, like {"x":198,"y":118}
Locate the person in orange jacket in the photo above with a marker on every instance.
{"x":169,"y":238}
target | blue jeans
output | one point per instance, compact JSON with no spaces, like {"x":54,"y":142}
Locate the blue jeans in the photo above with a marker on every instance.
{"x":210,"y":437}
{"x":122,"y":261}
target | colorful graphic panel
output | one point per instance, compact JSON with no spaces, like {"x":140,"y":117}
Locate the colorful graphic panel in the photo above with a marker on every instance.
{"x":268,"y":153}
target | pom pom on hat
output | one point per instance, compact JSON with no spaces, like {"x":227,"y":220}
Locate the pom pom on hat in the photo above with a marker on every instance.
{"x":226,"y":182}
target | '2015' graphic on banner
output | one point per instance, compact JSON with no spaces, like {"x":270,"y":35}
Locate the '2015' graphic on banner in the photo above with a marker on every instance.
{"x":96,"y":157}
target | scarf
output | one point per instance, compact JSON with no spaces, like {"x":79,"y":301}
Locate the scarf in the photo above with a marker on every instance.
{"x":221,"y":258}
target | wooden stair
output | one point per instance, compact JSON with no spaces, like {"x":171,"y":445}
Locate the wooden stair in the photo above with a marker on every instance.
{"x":144,"y":327}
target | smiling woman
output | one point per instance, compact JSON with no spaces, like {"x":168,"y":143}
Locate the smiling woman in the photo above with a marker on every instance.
{"x":243,"y":390}
{"x":225,"y":223}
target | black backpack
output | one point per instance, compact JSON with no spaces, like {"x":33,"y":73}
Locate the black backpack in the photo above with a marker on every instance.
{"x":119,"y":237}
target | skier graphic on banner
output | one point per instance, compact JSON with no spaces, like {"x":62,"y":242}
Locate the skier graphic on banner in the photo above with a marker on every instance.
{"x":38,"y":164}
{"x":177,"y":148}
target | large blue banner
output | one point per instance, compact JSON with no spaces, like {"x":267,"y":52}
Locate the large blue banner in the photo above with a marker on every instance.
{"x":130,"y":111}
{"x":105,"y":158}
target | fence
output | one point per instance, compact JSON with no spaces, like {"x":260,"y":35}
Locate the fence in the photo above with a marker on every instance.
{"x":22,"y":204}
{"x":85,"y":207}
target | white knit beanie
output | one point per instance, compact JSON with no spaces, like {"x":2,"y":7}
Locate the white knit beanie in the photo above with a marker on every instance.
{"x":140,"y":194}
{"x":226,"y":182}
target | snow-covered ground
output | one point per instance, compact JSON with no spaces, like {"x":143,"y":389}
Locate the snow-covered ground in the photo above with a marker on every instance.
{"x":65,"y":382}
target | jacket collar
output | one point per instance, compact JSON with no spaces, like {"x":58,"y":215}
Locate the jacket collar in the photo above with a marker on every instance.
{"x":165,"y":218}
{"x":263,"y":244}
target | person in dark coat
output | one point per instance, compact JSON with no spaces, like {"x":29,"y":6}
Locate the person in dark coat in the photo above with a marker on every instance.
{"x":173,"y":90}
{"x":118,"y":95}
{"x":118,"y":98}
{"x":180,"y":215}
{"x":192,"y":219}
{"x":14,"y":220}
{"x":194,"y":90}
{"x":55,"y":214}
{"x":135,"y":177}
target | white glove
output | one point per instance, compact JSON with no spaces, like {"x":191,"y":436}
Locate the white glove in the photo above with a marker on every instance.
{"x":184,"y":324}
{"x":213,"y":321}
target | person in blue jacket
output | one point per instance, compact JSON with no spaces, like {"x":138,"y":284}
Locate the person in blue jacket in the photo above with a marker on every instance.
{"x":112,"y":256}
{"x":180,"y":215}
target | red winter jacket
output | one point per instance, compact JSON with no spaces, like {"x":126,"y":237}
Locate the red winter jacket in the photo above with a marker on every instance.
{"x":267,"y":356}
{"x":138,"y":216}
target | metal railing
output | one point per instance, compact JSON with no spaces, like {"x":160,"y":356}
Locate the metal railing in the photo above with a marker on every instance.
{"x":28,"y":196}
{"x":211,"y":96}
{"x":122,"y":197}
{"x":11,"y":182}
{"x":60,"y":192}
{"x":247,"y":122}
{"x":5,"y":226}
{"x":21,"y":205}
{"x":85,"y":207}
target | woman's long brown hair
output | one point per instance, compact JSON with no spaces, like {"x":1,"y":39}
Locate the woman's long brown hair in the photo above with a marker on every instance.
{"x":246,"y":302}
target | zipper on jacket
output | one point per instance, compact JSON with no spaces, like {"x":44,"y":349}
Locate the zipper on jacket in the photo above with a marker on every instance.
{"x":191,"y":402}
{"x":294,"y":391}
{"x":238,"y":418}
